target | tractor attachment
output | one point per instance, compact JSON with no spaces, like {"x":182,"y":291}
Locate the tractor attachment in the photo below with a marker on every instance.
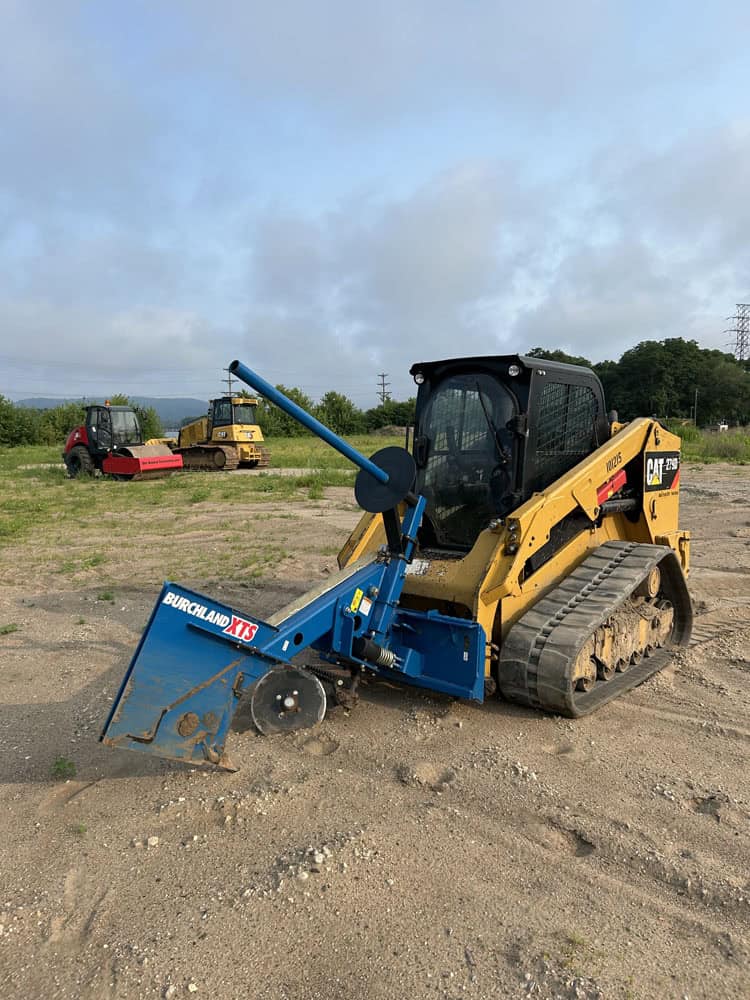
{"x":197,"y":658}
{"x":145,"y":461}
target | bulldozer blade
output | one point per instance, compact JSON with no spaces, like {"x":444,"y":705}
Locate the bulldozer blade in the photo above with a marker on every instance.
{"x":181,"y":689}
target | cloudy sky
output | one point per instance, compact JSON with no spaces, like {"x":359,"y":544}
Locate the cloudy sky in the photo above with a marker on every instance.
{"x":335,"y":189}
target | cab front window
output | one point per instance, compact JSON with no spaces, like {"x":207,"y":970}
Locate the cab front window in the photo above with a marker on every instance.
{"x":244,"y":413}
{"x":467,"y":457}
{"x":222,"y":413}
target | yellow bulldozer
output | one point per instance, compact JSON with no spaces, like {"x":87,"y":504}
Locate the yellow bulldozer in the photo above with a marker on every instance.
{"x":226,"y":438}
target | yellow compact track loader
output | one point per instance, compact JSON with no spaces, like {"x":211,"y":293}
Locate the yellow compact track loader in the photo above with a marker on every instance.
{"x":529,"y":548}
{"x":549,"y":523}
{"x":227,"y":437}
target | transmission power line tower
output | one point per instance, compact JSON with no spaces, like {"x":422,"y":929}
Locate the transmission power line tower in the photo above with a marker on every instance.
{"x":228,"y":381}
{"x":383,"y":394}
{"x":741,"y":331}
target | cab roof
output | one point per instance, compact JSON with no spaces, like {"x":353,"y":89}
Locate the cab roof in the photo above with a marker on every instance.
{"x":494,"y":362}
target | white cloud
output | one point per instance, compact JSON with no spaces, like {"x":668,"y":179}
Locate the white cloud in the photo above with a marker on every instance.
{"x":155,"y":166}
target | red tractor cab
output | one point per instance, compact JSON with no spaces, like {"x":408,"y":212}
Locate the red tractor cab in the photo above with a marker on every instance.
{"x":111,"y":443}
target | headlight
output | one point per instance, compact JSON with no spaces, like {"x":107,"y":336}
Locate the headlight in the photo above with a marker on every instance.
{"x":514,"y":370}
{"x":419,"y":378}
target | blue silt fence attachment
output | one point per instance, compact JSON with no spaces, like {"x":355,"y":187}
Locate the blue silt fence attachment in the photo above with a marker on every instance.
{"x":197,"y":658}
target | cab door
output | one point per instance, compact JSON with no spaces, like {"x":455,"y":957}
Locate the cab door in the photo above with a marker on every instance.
{"x":99,"y":428}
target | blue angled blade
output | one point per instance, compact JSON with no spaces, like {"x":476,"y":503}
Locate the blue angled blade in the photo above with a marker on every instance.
{"x":182,"y":687}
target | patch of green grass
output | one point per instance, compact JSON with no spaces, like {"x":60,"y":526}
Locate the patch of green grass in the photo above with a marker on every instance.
{"x":269,"y":485}
{"x":12,"y":458}
{"x":79,"y":829}
{"x":9,"y":628}
{"x":12,"y":527}
{"x":315,"y":489}
{"x":63,"y":769}
{"x":72,"y":526}
{"x":575,"y":940}
{"x":106,"y":595}
{"x":81,"y":621}
{"x":713,"y":446}
{"x":311,"y":453}
{"x":727,"y":447}
{"x":53,"y":475}
{"x":573,"y":946}
{"x":96,"y":559}
{"x":256,"y":563}
{"x":315,"y":482}
{"x":70,"y":566}
{"x":20,"y":515}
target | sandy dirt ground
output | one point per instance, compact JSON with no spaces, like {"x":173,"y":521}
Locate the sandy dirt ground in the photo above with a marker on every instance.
{"x":414,"y":848}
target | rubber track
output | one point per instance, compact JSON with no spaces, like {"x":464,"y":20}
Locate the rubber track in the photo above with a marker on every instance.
{"x":202,"y":456}
{"x":539,"y":652}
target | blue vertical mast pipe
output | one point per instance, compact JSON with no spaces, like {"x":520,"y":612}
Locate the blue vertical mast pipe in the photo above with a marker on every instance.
{"x":270,"y":392}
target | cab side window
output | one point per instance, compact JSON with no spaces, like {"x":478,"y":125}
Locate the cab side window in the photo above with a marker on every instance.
{"x":222,"y":413}
{"x":566,"y":427}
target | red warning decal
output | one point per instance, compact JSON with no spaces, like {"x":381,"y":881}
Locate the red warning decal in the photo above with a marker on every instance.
{"x":612,"y":486}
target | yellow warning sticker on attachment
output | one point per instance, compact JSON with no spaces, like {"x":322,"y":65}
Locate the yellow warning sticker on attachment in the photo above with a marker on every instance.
{"x":358,"y":595}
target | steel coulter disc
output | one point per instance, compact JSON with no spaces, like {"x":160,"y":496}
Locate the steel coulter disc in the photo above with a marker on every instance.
{"x":377,"y":497}
{"x":286,"y":699}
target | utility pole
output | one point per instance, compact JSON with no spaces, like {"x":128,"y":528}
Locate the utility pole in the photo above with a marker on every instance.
{"x":383,"y":393}
{"x":695,"y":409}
{"x":228,"y":380}
{"x":741,"y":331}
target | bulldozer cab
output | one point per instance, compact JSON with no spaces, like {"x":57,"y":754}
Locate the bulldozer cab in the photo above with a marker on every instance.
{"x":112,"y":427}
{"x":229,"y":411}
{"x":489,"y":432}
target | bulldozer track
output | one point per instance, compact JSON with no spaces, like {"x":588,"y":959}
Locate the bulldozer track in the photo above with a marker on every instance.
{"x":265,"y":459}
{"x":207,"y":457}
{"x":540,"y":651}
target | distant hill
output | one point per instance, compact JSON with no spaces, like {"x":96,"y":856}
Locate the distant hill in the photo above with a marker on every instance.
{"x":171,"y":411}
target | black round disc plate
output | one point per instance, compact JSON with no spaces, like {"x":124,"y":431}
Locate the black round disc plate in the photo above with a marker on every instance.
{"x":287,"y":698}
{"x":376,"y":497}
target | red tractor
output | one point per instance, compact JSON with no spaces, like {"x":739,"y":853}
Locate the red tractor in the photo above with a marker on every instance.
{"x":111,"y":443}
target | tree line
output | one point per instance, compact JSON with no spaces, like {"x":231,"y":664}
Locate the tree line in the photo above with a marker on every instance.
{"x":654,"y":378}
{"x":335,"y":411}
{"x":26,"y":425}
{"x":662,"y":377}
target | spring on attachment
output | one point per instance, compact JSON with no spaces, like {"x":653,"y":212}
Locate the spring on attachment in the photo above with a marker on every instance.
{"x":386,"y":658}
{"x":378,"y":655}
